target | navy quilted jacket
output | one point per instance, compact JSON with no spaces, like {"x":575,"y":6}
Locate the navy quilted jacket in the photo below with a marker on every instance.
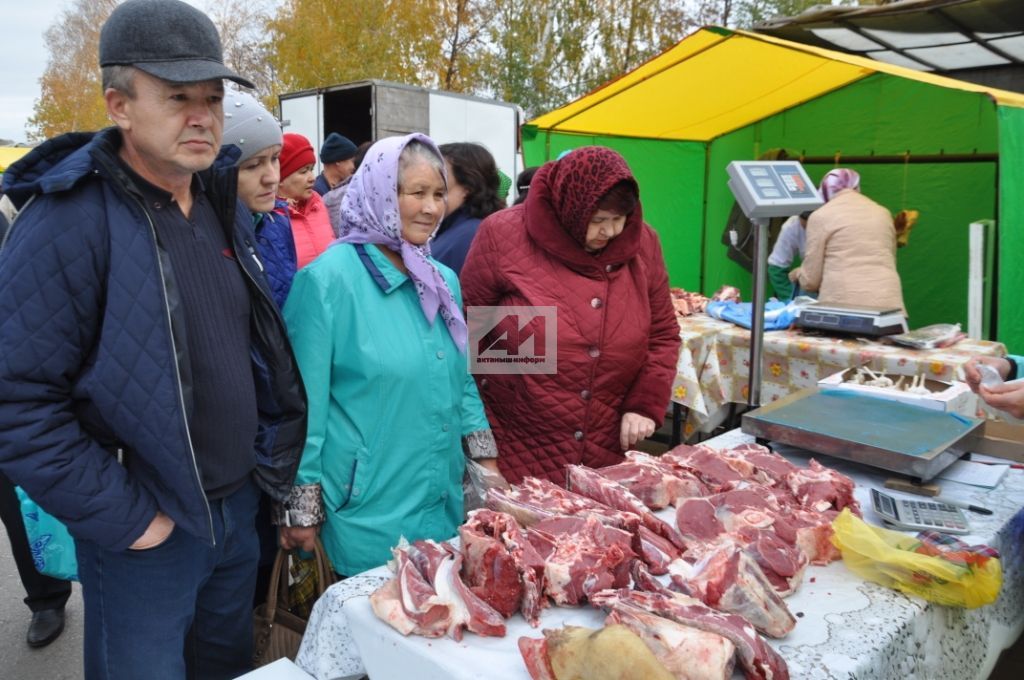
{"x":277,"y":250}
{"x":93,"y":355}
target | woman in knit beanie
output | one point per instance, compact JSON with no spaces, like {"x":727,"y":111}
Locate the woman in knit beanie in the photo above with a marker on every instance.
{"x":251,"y":129}
{"x":311,"y":228}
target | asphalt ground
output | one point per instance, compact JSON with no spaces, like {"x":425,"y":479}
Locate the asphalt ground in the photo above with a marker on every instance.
{"x":61,"y":659}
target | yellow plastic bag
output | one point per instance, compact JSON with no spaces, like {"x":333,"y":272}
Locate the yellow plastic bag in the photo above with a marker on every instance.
{"x":895,"y":560}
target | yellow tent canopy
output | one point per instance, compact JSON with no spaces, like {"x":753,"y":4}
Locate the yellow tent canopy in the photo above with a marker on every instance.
{"x":679,"y":94}
{"x":9,"y":154}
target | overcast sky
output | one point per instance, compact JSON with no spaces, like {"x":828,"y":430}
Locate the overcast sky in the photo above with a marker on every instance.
{"x":23,"y":59}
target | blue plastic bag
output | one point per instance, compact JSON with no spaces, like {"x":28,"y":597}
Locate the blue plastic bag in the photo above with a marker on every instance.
{"x":777,"y":315}
{"x":53,"y":549}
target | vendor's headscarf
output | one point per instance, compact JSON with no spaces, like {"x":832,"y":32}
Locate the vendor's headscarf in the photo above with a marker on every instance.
{"x":369,"y":214}
{"x":836,"y":180}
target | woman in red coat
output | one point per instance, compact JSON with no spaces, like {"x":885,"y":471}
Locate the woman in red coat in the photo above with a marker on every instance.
{"x":579,"y":244}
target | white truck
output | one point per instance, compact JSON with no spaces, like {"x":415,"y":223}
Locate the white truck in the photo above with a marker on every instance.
{"x":371,"y":109}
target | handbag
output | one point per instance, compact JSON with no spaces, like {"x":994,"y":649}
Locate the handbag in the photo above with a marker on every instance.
{"x":277,"y":631}
{"x":52,"y":547}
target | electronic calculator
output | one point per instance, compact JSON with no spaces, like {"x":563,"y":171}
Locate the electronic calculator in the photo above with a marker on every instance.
{"x":918,"y":515}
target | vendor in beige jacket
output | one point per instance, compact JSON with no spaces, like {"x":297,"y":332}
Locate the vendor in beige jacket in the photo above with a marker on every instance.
{"x":851,"y":248}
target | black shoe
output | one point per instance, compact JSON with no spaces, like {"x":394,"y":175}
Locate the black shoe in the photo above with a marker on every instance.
{"x":46,"y":626}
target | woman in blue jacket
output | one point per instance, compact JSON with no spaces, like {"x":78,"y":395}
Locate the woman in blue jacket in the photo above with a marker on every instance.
{"x":377,"y":327}
{"x":256,"y":134}
{"x":472,"y":196}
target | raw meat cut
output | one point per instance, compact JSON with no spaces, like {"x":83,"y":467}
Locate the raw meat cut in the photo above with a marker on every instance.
{"x":427,"y":595}
{"x":758,"y":659}
{"x":710,"y":466}
{"x":820,"y":488}
{"x":581,"y":556}
{"x":574,"y":653}
{"x":588,"y":482}
{"x":687,"y":653}
{"x":657,"y":484}
{"x":655,"y":551}
{"x":765,"y":460}
{"x":533,"y":500}
{"x":501,"y":566}
{"x":729,"y":580}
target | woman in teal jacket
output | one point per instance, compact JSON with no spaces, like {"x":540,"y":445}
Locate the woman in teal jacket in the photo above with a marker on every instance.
{"x":377,"y":328}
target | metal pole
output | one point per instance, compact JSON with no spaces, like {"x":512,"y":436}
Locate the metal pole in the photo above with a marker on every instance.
{"x":757,"y":323}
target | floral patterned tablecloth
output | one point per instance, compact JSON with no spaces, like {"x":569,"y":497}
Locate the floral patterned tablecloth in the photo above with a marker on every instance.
{"x":714,"y":363}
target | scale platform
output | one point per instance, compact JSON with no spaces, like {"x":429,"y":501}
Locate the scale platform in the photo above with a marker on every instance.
{"x":869,"y":321}
{"x":902,"y":438}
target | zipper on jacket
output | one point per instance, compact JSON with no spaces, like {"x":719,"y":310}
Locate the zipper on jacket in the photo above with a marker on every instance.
{"x":177,"y":373}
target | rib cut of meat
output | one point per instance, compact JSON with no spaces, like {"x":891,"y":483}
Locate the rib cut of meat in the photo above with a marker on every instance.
{"x":783,"y":563}
{"x":758,"y":659}
{"x":581,"y":556}
{"x":656,"y":552}
{"x":698,"y":521}
{"x":729,"y":580}
{"x":588,"y":482}
{"x":688,"y":653}
{"x":533,"y":500}
{"x":428,"y":597}
{"x":655,"y":483}
{"x":710,"y":465}
{"x":820,"y":488}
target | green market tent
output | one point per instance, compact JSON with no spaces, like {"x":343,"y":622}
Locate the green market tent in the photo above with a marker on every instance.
{"x":950,"y":149}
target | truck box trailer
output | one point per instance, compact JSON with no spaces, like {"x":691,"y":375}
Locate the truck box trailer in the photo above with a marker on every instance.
{"x":372,"y":109}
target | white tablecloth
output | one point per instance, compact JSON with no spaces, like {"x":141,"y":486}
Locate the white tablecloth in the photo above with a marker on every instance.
{"x":846,"y":628}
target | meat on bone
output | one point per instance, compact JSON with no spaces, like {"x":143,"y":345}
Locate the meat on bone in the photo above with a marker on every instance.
{"x":759,"y":660}
{"x":432,"y":595}
{"x":587,"y":482}
{"x":581,"y":556}
{"x":729,"y":580}
{"x":655,"y":483}
{"x":533,"y":500}
{"x":688,"y":653}
{"x":501,"y":566}
{"x":820,"y":488}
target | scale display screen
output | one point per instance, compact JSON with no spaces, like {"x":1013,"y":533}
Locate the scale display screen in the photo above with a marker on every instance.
{"x":772,"y":188}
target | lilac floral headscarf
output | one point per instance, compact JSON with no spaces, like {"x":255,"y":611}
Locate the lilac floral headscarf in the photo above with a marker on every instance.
{"x":369,"y":214}
{"x":836,"y":180}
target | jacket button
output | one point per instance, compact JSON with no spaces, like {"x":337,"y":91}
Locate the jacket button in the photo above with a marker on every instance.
{"x":445,"y":427}
{"x":578,"y":435}
{"x":585,"y":395}
{"x":355,"y":492}
{"x":484,"y":382}
{"x":596,"y":303}
{"x":594,"y":352}
{"x":609,"y":268}
{"x":440,"y":354}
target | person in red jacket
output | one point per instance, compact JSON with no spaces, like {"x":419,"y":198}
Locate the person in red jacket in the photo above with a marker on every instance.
{"x":311,"y":226}
{"x":578,"y":243}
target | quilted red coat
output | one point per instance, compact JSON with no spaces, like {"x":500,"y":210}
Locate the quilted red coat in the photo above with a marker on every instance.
{"x":618,"y":339}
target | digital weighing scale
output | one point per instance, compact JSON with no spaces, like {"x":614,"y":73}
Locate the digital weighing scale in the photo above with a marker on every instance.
{"x":901,"y":438}
{"x":868,"y":321}
{"x":767,"y":189}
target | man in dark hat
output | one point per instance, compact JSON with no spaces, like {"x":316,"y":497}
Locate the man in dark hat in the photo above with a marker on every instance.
{"x":337,"y":154}
{"x":148,"y":393}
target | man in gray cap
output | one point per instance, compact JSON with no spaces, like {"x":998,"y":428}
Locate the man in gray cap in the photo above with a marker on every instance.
{"x":148,"y":393}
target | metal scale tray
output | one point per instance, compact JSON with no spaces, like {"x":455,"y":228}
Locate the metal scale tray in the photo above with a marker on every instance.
{"x":898,"y":437}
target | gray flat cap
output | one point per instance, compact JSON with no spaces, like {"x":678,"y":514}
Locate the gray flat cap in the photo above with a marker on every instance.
{"x":167,"y":39}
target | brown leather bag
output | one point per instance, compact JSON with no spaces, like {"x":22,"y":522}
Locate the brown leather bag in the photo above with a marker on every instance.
{"x":277,"y":631}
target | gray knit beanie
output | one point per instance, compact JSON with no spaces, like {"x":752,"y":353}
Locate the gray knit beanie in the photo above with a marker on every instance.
{"x":248,"y":125}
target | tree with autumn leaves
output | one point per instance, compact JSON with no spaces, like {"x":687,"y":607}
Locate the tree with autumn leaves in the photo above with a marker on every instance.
{"x":538,"y":54}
